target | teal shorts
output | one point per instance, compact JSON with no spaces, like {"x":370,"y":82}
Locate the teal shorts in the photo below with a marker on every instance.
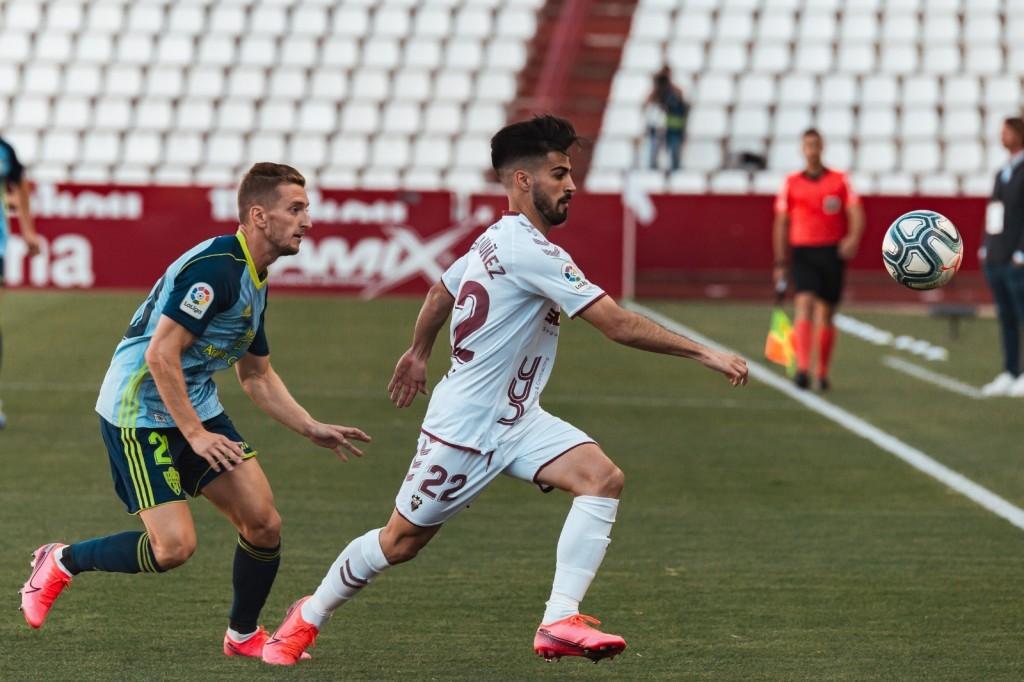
{"x":155,"y":466}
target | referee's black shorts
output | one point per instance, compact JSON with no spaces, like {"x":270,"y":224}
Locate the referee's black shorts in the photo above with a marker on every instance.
{"x":819,"y":270}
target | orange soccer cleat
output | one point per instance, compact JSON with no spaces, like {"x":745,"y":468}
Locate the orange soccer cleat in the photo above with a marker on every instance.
{"x":46,"y":581}
{"x":576,"y":636}
{"x":289,"y":642}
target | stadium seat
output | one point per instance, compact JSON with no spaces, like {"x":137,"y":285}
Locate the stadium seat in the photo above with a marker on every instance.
{"x":836,"y":122}
{"x":920,"y":91}
{"x":702,"y":155}
{"x":919,"y":123}
{"x":963,"y":157}
{"x":82,"y":79}
{"x":185,"y":149}
{"x":896,"y":184}
{"x":775,"y":26}
{"x":813,"y":58}
{"x":961,"y":124}
{"x":961,"y":91}
{"x":604,"y":181}
{"x":349,"y":151}
{"x":942,"y":59}
{"x":145,"y":149}
{"x":856,"y":58}
{"x":195,"y":115}
{"x":236,"y":116}
{"x":770,"y":58}
{"x":692,"y":26}
{"x":791,"y":121}
{"x":381,"y":53}
{"x":421,"y":179}
{"x":880,"y":90}
{"x":839,"y":90}
{"x":876,"y":156}
{"x":651,"y":25}
{"x":55,"y":48}
{"x":685,"y":58}
{"x":155,"y":114}
{"x":756,"y":89}
{"x":730,"y":182}
{"x":734,"y":27}
{"x":715,"y":89}
{"x":900,"y":27}
{"x":687,"y":182}
{"x":920,"y":157}
{"x":938,"y":184}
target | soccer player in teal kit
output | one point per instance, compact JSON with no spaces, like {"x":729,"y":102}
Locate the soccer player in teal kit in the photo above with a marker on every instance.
{"x":165,"y":429}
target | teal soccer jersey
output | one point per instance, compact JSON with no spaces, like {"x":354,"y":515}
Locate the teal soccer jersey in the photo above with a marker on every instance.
{"x":10,"y":174}
{"x":214,"y":291}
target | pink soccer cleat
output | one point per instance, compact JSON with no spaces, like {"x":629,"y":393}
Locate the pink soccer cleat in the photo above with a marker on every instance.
{"x":46,"y":581}
{"x":252,"y":647}
{"x":576,"y":636}
{"x":289,"y":642}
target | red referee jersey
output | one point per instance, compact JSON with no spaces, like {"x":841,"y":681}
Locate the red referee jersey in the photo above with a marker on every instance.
{"x":816,"y":207}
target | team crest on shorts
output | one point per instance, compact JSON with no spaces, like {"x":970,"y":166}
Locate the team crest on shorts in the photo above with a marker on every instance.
{"x":173,"y":479}
{"x":416,"y":502}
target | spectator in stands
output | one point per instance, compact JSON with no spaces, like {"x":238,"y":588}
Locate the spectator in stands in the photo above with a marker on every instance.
{"x":12,"y":179}
{"x":665,"y":114}
{"x":819,"y":218}
{"x":1003,"y":258}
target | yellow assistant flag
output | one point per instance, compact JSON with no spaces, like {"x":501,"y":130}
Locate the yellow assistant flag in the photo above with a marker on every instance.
{"x":778,"y":347}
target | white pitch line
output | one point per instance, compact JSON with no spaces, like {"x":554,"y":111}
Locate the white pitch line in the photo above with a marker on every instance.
{"x":935,"y":378}
{"x":912,"y":456}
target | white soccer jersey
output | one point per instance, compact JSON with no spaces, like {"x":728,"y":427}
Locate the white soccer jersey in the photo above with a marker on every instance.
{"x":510,"y":289}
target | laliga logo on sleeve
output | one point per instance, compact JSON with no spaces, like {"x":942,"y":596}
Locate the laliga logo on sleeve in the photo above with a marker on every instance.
{"x":573,"y":276}
{"x":197,"y":300}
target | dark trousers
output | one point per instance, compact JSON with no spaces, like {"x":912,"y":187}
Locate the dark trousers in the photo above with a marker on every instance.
{"x":673,"y":139}
{"x":1007,"y":284}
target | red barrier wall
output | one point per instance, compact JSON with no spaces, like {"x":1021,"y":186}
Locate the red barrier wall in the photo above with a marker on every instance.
{"x":721,"y":232}
{"x":371,"y":243}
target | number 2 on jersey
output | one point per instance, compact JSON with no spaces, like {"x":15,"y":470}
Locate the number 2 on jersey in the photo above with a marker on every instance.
{"x":481,"y":303}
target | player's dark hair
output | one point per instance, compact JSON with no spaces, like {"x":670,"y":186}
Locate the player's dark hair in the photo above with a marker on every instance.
{"x":531,"y":139}
{"x":811,"y":132}
{"x":1016,"y":124}
{"x":259,"y":186}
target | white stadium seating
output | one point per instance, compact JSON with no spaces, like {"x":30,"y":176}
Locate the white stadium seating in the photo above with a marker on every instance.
{"x":909,"y":94}
{"x":374,"y":93}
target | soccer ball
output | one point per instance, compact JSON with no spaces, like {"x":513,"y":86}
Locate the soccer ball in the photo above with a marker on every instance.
{"x":922,"y":250}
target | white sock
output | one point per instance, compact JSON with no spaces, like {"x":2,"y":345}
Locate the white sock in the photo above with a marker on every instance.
{"x":59,"y":560}
{"x":581,"y":548}
{"x":239,"y":638}
{"x":355,"y":567}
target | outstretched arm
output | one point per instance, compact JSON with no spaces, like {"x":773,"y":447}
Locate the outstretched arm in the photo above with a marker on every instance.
{"x":630,"y":329}
{"x":25,"y":221}
{"x":410,"y":375}
{"x":780,"y":243}
{"x":265,"y":387}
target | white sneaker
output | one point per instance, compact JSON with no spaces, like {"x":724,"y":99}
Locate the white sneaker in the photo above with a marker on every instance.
{"x":1017,"y":390}
{"x":1001,"y":385}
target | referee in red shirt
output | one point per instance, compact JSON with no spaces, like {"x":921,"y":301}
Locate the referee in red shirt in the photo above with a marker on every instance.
{"x":820,"y":220}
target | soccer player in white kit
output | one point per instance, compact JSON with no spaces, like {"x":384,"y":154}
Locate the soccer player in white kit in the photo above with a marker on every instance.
{"x":484,"y":419}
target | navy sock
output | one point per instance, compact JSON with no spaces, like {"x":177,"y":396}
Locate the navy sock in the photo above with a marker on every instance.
{"x":128,"y":552}
{"x":252,"y":577}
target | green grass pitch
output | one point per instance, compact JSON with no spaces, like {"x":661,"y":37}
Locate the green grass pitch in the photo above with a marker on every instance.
{"x":756,"y":540}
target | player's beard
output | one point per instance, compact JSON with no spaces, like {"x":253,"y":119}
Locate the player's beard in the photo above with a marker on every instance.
{"x":554,"y":212}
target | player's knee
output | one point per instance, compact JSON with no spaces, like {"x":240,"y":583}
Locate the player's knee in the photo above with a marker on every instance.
{"x":263,"y":531}
{"x":612,"y":481}
{"x":173,"y":552}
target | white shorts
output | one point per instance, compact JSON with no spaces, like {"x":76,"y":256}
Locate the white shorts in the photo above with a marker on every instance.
{"x":444,"y":479}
